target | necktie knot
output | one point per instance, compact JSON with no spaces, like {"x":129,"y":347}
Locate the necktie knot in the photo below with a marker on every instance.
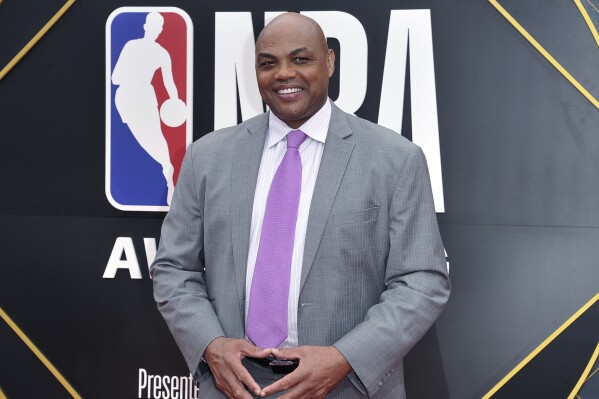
{"x":295,"y":138}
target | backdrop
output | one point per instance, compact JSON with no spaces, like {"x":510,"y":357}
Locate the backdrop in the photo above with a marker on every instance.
{"x":500,"y":94}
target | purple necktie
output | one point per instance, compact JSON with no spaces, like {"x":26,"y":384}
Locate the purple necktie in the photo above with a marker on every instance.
{"x":267,"y":312}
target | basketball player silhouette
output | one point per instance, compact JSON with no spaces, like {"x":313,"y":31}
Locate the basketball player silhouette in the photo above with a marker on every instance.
{"x":135,"y":98}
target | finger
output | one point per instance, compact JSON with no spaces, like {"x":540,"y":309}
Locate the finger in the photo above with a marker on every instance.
{"x":287,"y":382}
{"x":246,"y":378}
{"x":237,"y":372}
{"x":235,"y":389}
{"x":254,"y":351}
{"x":294,"y":393}
{"x":287,"y":353}
{"x":231,"y":376}
{"x":238,"y":392}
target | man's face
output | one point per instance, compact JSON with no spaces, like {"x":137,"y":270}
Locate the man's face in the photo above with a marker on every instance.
{"x":293,"y":68}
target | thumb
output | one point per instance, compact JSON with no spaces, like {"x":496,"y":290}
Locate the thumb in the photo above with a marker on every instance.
{"x":251,"y":350}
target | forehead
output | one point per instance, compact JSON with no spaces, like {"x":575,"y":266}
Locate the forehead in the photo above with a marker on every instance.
{"x":284,"y":37}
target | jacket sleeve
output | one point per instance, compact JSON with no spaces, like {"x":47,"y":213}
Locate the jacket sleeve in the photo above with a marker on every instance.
{"x":416,"y":280}
{"x":178,"y":272}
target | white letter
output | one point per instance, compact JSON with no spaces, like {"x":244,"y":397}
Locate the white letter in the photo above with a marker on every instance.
{"x":166,"y":381}
{"x":184,"y":389}
{"x":143,"y":376}
{"x":234,"y":68}
{"x":175,"y":388}
{"x":150,"y":247}
{"x":157,"y":387}
{"x":415,"y":26}
{"x":270,"y":15}
{"x":353,"y":65}
{"x":123,"y":244}
{"x":195,"y":392}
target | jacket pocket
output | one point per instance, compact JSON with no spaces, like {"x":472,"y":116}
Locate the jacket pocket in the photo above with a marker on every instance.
{"x":350,"y":217}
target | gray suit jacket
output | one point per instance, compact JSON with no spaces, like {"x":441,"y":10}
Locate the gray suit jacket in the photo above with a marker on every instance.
{"x":373,"y":279}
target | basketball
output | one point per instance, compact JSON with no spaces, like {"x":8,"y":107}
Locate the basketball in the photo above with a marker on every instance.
{"x":173,"y":112}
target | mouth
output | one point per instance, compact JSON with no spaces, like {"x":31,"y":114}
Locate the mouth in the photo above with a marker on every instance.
{"x":288,"y":90}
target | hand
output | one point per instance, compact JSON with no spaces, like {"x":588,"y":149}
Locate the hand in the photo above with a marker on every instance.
{"x":320,"y":369}
{"x":224,"y":356}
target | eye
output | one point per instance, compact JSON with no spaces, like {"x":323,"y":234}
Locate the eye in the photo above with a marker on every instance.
{"x":301,"y":60}
{"x":266,"y":64}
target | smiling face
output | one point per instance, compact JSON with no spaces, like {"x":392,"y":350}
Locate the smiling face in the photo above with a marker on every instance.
{"x":293,"y":67}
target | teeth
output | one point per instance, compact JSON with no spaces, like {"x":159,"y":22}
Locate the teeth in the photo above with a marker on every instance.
{"x":289,"y":90}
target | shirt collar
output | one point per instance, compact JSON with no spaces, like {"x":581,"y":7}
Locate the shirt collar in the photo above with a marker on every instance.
{"x":316,"y":127}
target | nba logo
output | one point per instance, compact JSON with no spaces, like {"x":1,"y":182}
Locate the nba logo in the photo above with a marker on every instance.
{"x":148,"y":104}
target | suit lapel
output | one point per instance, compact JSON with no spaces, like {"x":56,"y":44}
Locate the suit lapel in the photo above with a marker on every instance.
{"x":335,"y":157}
{"x":248,"y":154}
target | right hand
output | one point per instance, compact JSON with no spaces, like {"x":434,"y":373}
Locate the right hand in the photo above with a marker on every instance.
{"x":224,"y":356}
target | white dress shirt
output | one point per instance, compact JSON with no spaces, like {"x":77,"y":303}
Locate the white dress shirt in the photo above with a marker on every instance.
{"x":275,"y":146}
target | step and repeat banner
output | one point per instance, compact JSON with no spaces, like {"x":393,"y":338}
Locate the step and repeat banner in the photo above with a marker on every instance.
{"x":99,"y":100}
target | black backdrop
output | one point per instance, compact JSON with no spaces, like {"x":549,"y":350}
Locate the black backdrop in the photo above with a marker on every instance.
{"x":519,"y":150}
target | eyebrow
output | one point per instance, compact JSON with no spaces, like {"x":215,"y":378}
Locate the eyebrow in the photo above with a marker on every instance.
{"x":298,"y":50}
{"x":267,"y":55}
{"x":294,"y":52}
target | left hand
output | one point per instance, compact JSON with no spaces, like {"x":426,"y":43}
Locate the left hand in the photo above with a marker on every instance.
{"x":320,"y":369}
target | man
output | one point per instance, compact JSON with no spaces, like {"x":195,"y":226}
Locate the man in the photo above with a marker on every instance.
{"x":367,"y":274}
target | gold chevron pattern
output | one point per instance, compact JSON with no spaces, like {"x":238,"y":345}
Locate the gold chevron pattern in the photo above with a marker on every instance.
{"x":594,"y":373}
{"x":587,"y":17}
{"x":11,"y":64}
{"x":39,"y":355}
{"x":546,"y":54}
{"x":586,"y":375}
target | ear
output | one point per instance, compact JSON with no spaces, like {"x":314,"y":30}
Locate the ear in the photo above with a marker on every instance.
{"x":330,"y":61}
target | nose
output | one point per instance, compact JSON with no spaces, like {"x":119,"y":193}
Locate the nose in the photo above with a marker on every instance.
{"x":286,"y":71}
